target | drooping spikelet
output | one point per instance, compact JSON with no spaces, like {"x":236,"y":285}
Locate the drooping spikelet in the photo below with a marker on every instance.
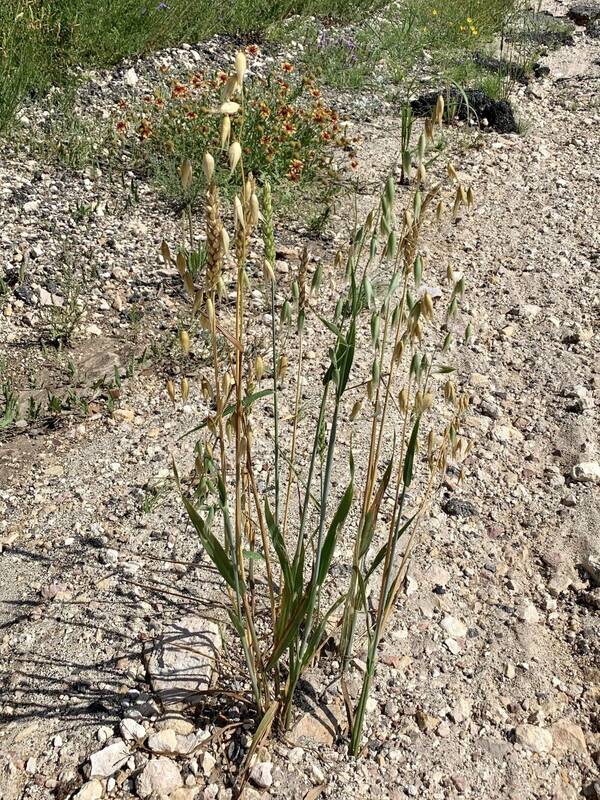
{"x":215,"y":249}
{"x":268,"y":232}
{"x":246,"y":217}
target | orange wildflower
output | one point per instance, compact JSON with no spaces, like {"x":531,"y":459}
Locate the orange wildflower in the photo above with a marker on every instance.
{"x":295,"y":170}
{"x":286,"y":112}
{"x":179,"y":90}
{"x":145,"y":129}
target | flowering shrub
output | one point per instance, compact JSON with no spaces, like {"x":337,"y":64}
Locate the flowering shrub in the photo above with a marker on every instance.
{"x":290,"y":134}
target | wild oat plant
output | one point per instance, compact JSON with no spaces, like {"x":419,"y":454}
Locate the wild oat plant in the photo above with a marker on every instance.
{"x":275,"y":547}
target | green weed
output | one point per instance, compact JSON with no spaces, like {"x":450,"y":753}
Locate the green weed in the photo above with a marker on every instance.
{"x":10,"y":401}
{"x":66,"y":135}
{"x":64,"y":315}
{"x":388,"y":49}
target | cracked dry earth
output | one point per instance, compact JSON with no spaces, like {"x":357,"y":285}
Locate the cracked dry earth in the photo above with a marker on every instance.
{"x":489,"y":682}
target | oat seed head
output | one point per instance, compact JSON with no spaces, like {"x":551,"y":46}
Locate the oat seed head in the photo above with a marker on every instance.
{"x":216,"y":239}
{"x":259,"y":368}
{"x":208,"y":166}
{"x":235,"y":153}
{"x":229,"y":108}
{"x":356,"y":409}
{"x":439,"y":111}
{"x":240,"y":66}
{"x":184,"y":341}
{"x":225,"y":130}
{"x":185,"y":389}
{"x":165,"y":252}
{"x":186,"y":174}
{"x":171,"y":390}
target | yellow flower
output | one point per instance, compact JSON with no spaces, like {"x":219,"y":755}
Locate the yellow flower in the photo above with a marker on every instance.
{"x":434,"y":12}
{"x":470,"y":20}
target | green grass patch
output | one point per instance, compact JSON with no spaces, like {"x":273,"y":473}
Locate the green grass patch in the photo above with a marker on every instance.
{"x":391,"y":48}
{"x":41,"y":39}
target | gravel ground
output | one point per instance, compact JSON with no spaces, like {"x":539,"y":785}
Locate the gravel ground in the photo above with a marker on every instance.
{"x":489,"y":677}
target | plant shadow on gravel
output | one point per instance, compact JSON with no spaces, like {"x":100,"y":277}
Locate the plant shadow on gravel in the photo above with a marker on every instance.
{"x":36,"y":683}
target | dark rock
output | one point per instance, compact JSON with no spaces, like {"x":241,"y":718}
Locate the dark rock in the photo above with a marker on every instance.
{"x":593,"y":30}
{"x":489,"y":409}
{"x":510,"y":69}
{"x":11,"y":276}
{"x":553,"y":39}
{"x":455,"y":507}
{"x":479,"y":107}
{"x":541,"y":70}
{"x":25,"y":293}
{"x":584,"y":13}
{"x":592,"y":791}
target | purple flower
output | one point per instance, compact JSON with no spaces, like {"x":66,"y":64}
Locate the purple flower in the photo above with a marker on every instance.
{"x":323,"y":40}
{"x":326,"y":39}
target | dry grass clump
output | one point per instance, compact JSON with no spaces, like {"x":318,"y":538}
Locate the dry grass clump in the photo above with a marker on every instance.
{"x":275,"y":547}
